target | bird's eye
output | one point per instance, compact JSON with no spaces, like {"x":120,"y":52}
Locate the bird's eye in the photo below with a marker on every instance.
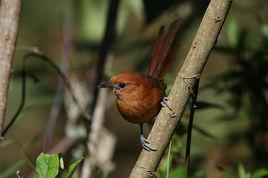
{"x":121,"y":85}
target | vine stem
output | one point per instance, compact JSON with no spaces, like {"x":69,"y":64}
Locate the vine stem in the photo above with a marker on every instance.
{"x":190,"y":128}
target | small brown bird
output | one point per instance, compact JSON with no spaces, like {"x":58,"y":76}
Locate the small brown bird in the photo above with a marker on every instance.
{"x":139,"y":97}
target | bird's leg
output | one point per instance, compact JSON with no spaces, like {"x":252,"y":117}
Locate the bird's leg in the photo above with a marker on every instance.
{"x":144,"y":142}
{"x":164,"y":103}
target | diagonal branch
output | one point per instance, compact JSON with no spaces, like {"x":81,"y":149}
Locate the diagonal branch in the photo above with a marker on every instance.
{"x":9,"y":20}
{"x":193,"y":66}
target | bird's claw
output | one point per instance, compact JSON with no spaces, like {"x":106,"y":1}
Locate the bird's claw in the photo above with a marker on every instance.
{"x":146,"y":144}
{"x":164,"y":103}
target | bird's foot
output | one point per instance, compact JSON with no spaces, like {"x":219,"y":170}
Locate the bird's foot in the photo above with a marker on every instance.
{"x":146,"y":144}
{"x":164,"y":103}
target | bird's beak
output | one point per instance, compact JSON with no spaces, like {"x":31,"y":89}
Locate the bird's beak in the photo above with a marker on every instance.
{"x":106,"y":85}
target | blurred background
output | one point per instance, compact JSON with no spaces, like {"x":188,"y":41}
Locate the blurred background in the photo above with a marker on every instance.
{"x":230,"y":134}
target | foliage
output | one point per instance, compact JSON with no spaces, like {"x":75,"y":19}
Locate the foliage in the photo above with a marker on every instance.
{"x":50,"y":165}
{"x":242,"y":173}
{"x":247,"y":83}
{"x":11,"y":170}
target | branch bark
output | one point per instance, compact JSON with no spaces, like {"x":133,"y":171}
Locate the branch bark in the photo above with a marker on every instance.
{"x":9,"y":20}
{"x":193,"y":66}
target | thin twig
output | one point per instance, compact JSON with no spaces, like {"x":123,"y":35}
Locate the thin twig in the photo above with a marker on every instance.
{"x":95,"y":140}
{"x":9,"y":22}
{"x":22,"y":101}
{"x":57,"y":102}
{"x":194,"y":64}
{"x":190,"y":128}
{"x":107,"y":42}
{"x":37,"y":53}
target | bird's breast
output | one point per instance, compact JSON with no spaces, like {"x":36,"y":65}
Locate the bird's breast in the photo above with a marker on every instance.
{"x":138,"y":109}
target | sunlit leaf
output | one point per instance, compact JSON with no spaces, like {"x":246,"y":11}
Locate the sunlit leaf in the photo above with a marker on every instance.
{"x":242,"y":172}
{"x":61,"y":162}
{"x":47,"y":165}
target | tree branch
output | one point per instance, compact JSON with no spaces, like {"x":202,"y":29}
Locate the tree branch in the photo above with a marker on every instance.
{"x":9,"y":20}
{"x":193,"y":66}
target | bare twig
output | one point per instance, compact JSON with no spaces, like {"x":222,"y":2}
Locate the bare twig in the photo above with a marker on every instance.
{"x":35,"y":52}
{"x":193,"y":66}
{"x":9,"y":20}
{"x":97,"y":105}
{"x":57,"y":102}
{"x":98,"y":137}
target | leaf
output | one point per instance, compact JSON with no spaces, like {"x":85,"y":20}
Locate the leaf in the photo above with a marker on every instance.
{"x":260,"y":173}
{"x":61,"y":162}
{"x":12,"y":169}
{"x":236,"y":35}
{"x":70,"y":171}
{"x":242,"y":172}
{"x":227,"y":174}
{"x":177,"y":173}
{"x":232,"y":32}
{"x":207,"y":105}
{"x":169,"y":158}
{"x":264,"y":30}
{"x":47,"y":166}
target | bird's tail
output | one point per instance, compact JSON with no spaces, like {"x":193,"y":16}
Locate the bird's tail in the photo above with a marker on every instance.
{"x":164,"y":52}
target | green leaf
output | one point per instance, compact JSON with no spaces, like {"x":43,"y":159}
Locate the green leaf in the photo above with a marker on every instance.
{"x":177,"y":173}
{"x":169,"y":158}
{"x":11,"y":170}
{"x":233,"y":31}
{"x":260,"y":173}
{"x":227,"y":174}
{"x":70,"y":171}
{"x":242,"y":172}
{"x":236,"y":35}
{"x":61,"y":162}
{"x":264,"y":30}
{"x":47,"y":166}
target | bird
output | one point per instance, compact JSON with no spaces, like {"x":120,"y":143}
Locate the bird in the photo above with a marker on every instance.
{"x":140,"y":97}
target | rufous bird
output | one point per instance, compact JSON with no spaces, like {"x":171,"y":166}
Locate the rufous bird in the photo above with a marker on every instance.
{"x":139,"y":97}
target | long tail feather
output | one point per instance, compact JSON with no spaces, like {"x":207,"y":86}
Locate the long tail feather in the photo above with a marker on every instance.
{"x":164,"y":52}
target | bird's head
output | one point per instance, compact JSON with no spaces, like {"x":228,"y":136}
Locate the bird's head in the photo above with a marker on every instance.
{"x":127,"y":85}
